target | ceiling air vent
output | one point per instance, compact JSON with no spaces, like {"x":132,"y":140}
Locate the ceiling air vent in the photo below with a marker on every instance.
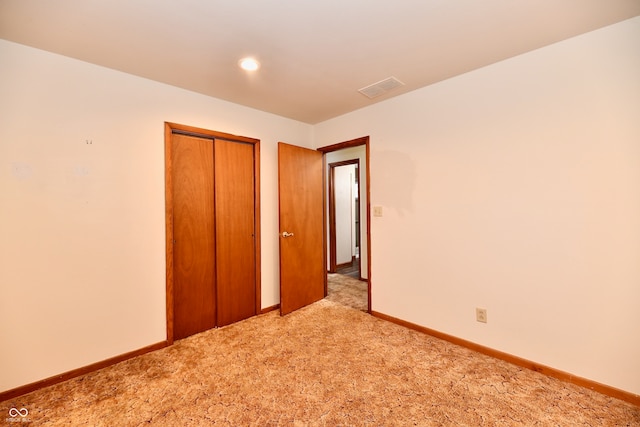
{"x":381,"y":87}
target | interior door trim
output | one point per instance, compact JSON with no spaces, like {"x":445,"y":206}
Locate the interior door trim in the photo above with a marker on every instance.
{"x":355,"y":143}
{"x":169,"y":129}
{"x":332,"y":211}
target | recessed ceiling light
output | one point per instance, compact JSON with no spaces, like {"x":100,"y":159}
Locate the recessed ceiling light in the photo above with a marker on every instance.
{"x":249,"y":64}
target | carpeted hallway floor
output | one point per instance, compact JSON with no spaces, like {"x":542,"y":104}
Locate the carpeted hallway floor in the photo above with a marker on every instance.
{"x":347,"y":291}
{"x":324,"y":365}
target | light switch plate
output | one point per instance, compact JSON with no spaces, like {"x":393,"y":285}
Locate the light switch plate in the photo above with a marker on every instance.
{"x":481,"y":315}
{"x":377,"y":211}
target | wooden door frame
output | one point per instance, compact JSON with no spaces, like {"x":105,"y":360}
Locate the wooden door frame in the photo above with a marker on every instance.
{"x":169,"y":130}
{"x":355,"y":143}
{"x":333,"y":264}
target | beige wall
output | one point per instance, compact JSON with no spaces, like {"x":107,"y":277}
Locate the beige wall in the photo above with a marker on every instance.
{"x":516,"y":188}
{"x":82,"y":249}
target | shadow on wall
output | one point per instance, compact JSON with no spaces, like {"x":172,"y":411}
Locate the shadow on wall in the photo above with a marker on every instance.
{"x":395,"y":180}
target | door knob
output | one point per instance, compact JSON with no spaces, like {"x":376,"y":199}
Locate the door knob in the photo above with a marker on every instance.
{"x":285,"y":234}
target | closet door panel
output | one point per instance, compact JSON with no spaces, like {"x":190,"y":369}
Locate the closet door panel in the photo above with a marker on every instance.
{"x":193,"y":230}
{"x":235,"y":231}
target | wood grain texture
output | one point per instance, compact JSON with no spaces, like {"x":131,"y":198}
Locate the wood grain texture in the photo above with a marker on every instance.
{"x":257,"y":228}
{"x":235,"y":231}
{"x":364,"y":140}
{"x":302,"y":256}
{"x":332,"y":221}
{"x":209,"y":134}
{"x":193,"y":230}
{"x":173,"y":131}
{"x":168,"y":213}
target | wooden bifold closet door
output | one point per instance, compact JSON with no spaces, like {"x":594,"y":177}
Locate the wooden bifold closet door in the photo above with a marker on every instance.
{"x":194,"y":277}
{"x":213,"y":213}
{"x":194,"y":254}
{"x":235,"y":219}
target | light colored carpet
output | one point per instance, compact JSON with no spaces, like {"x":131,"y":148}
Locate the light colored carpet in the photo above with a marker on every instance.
{"x":324,"y":365}
{"x":347,"y":291}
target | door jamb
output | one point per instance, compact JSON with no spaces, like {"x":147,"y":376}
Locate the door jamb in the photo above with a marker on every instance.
{"x":332,"y":211}
{"x":347,"y":144}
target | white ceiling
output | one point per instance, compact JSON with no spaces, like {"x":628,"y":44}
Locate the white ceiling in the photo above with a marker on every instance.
{"x":315,"y":54}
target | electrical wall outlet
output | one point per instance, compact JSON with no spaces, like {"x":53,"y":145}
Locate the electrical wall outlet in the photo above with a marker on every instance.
{"x":481,"y":315}
{"x":377,"y":211}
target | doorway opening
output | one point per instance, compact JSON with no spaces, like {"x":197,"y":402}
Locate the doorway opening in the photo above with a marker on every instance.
{"x":348,"y":223}
{"x":344,"y":218}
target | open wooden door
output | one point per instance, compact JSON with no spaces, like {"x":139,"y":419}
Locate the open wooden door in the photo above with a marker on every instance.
{"x":302,"y":251}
